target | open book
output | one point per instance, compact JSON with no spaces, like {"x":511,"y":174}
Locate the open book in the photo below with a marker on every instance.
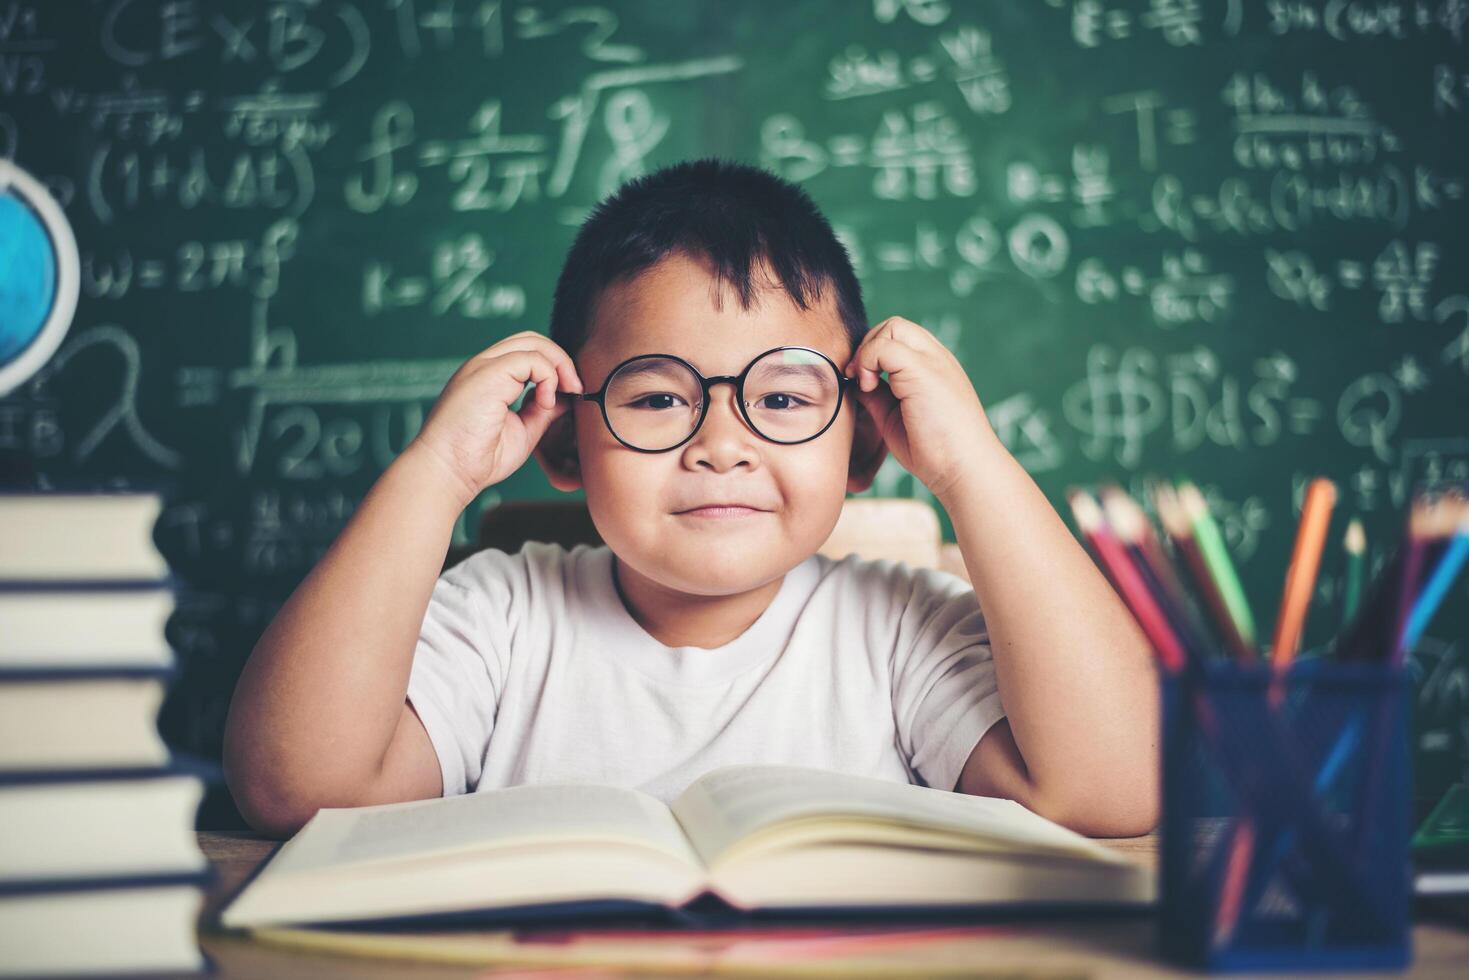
{"x":753,"y":837}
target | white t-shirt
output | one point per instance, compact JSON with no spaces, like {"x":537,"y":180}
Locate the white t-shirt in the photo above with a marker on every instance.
{"x":529,"y":669}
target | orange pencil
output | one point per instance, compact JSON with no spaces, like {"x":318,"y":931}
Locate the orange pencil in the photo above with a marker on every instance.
{"x":1236,"y":876}
{"x":1300,"y":576}
{"x":1300,"y":582}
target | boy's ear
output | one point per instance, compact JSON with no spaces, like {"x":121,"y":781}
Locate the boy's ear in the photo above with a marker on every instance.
{"x":557,"y":455}
{"x":868,"y":451}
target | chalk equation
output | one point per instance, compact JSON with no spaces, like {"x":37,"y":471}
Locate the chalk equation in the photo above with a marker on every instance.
{"x":1203,"y":236}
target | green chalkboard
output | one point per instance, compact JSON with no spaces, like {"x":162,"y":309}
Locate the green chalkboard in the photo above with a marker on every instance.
{"x":1213,"y":238}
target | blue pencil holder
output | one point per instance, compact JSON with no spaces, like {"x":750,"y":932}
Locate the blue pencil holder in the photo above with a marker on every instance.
{"x":1286,"y":817}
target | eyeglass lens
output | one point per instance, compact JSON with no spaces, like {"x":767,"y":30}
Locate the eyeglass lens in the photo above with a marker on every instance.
{"x":654,"y":403}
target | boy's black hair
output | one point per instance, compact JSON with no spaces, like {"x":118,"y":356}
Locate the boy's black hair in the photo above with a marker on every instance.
{"x":729,"y":213}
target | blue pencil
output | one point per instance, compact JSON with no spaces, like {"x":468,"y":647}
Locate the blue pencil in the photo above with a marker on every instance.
{"x":1439,"y":581}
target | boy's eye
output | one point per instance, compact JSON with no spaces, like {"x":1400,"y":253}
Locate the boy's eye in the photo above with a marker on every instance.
{"x":780,"y":401}
{"x":658,"y":400}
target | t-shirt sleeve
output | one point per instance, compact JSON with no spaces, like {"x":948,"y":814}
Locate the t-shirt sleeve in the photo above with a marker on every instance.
{"x":945,"y":691}
{"x":459,"y":665}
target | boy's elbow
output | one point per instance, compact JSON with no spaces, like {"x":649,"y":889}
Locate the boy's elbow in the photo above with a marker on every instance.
{"x":277,"y":823}
{"x":1128,"y":807}
{"x":1129,"y":818}
{"x":277,"y":801}
{"x":273,"y":804}
{"x":267,"y":809}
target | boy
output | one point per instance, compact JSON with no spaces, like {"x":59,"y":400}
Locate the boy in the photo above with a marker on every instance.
{"x":710,"y":382}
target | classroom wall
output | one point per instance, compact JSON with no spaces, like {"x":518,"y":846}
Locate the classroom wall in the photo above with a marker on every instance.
{"x":1210,"y":238}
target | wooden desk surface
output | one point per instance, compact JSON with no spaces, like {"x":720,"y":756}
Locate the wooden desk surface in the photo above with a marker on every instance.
{"x":1052,"y":948}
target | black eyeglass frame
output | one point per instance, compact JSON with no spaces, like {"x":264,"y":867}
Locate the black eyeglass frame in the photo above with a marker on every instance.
{"x":707,"y":384}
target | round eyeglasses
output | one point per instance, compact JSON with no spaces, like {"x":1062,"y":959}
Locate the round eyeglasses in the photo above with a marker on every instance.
{"x":656,"y":402}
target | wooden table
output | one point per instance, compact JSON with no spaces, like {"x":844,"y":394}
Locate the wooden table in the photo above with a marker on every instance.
{"x":1122,"y":947}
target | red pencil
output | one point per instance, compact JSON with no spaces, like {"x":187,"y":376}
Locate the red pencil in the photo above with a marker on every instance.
{"x":1126,"y":580}
{"x":1130,"y":526}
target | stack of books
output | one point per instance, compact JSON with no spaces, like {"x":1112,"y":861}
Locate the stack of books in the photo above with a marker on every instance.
{"x":100,"y":870}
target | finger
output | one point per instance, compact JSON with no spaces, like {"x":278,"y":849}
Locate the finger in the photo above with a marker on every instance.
{"x":565,"y":366}
{"x":880,"y":403}
{"x":906,"y":331}
{"x":914,"y":335}
{"x":882,"y":353}
{"x":884,"y":332}
{"x":525,"y":367}
{"x":529,"y":340}
{"x":537,"y":417}
{"x":516,"y":341}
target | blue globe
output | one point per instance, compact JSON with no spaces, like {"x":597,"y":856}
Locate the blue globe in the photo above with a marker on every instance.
{"x":27,"y":277}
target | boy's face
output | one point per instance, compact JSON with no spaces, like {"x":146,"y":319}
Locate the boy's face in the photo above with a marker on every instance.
{"x":640,"y":501}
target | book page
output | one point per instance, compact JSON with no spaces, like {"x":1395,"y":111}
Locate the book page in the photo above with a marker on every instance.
{"x":474,"y":821}
{"x":729,"y":804}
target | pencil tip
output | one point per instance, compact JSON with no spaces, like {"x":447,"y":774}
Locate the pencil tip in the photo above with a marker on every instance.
{"x":1323,"y":487}
{"x":1088,"y":513}
{"x":1424,"y":515}
{"x":1192,"y":501}
{"x":1356,"y":538}
{"x":1171,"y":513}
{"x":1122,"y":513}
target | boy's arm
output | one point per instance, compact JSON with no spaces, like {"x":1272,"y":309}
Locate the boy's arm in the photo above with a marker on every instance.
{"x":319,"y":716}
{"x":1080,"y":740}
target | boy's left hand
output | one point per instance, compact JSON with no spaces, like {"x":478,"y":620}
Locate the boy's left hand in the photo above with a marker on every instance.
{"x":927,"y":410}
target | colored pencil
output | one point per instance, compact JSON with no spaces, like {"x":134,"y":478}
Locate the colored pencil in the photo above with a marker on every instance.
{"x":1300,"y":574}
{"x":1386,"y":614}
{"x":1130,"y":525}
{"x":1216,"y":557}
{"x":1354,"y":543}
{"x":1153,"y":547}
{"x":1445,"y":570}
{"x":1367,"y":638}
{"x":1425,"y":529}
{"x":1180,"y":532}
{"x":1336,"y":759}
{"x":1126,"y":579}
{"x":1236,"y":874}
{"x":1300,"y":583}
{"x":1420,"y":525}
{"x":1402,"y":587}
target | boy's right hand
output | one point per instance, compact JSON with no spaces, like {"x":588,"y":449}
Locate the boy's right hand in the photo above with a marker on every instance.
{"x":471,"y":429}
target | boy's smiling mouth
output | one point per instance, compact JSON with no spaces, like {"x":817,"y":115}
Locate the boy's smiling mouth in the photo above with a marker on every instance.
{"x":721,"y":510}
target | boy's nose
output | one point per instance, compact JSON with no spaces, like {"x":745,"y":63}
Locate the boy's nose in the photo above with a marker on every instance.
{"x":725,"y":439}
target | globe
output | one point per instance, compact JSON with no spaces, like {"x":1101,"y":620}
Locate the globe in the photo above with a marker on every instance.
{"x":27,"y":276}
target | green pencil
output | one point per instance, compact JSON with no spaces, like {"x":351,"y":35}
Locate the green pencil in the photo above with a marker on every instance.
{"x":1355,"y":544}
{"x":1216,"y":556}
